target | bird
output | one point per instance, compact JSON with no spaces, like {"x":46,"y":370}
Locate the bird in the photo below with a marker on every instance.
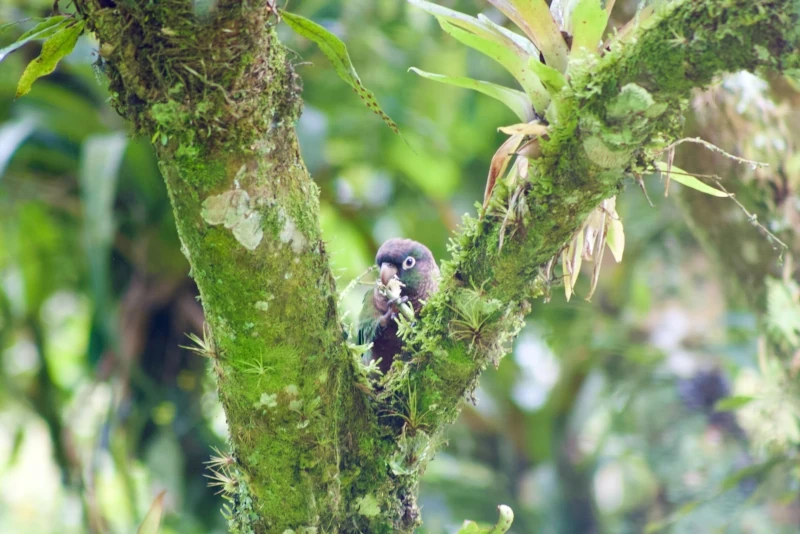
{"x":413,"y":264}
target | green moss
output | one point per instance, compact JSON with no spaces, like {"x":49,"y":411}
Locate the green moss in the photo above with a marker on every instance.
{"x":278,"y":384}
{"x":177,"y":93}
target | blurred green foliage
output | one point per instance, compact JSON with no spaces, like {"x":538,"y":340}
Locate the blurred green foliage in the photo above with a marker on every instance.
{"x":602,"y":420}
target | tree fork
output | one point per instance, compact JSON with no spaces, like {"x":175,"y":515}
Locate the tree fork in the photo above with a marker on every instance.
{"x":216,"y":94}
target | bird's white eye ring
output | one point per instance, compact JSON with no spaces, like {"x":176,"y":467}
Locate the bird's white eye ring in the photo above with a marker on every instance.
{"x":409,"y":262}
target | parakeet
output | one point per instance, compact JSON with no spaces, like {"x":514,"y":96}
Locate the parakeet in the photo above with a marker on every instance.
{"x":414,"y":265}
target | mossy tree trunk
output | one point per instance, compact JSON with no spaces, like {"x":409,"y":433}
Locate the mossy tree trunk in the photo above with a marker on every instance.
{"x":313,"y":449}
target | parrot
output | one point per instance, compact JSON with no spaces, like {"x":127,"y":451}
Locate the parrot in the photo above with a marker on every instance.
{"x":413,"y":264}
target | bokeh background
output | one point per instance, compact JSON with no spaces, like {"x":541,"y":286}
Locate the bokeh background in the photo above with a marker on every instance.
{"x":602,"y":418}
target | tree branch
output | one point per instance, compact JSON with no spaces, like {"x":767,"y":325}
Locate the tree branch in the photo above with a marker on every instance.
{"x":591,"y":149}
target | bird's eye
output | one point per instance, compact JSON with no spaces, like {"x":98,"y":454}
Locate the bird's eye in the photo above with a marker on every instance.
{"x":409,"y":262}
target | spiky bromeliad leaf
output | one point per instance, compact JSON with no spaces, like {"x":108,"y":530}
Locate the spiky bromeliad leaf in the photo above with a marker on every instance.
{"x":554,"y":82}
{"x":520,"y":40}
{"x":516,"y":101}
{"x":152,"y":521}
{"x":480,"y":26}
{"x":684,"y":178}
{"x":513,"y":63}
{"x":587,"y":24}
{"x":43,"y":30}
{"x":56,"y":47}
{"x":336,"y":52}
{"x":552,"y":79}
{"x":534,"y":18}
{"x":512,"y":51}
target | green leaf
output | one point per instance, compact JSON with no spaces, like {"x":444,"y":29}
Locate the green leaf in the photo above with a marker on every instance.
{"x":509,"y":49}
{"x":678,"y":514}
{"x":552,"y":79}
{"x":520,"y":40}
{"x":534,"y":18}
{"x":43,"y":30}
{"x":505,"y":520}
{"x":57,"y":46}
{"x":562,"y":12}
{"x":101,"y":158}
{"x":152,"y":521}
{"x":516,"y":101}
{"x":12,"y":135}
{"x":336,"y":52}
{"x":470,"y":527}
{"x":729,"y":404}
{"x":512,"y":51}
{"x":748,"y":472}
{"x":501,"y":527}
{"x":480,"y":26}
{"x":514,"y":64}
{"x":684,"y":178}
{"x":588,"y":22}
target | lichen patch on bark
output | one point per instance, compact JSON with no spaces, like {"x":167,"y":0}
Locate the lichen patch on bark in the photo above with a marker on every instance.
{"x":234,"y":210}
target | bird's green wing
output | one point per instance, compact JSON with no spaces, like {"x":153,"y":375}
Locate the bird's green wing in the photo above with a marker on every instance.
{"x":368,"y":321}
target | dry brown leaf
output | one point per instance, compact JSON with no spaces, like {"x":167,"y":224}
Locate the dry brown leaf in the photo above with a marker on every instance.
{"x":499,"y":164}
{"x":567,"y":277}
{"x":523,"y":164}
{"x":530,"y":149}
{"x":599,"y":248}
{"x":615,"y":233}
{"x":571,"y":263}
{"x":598,"y":262}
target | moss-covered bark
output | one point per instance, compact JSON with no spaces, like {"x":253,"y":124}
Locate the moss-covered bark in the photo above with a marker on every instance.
{"x":220,"y":100}
{"x":311,"y":451}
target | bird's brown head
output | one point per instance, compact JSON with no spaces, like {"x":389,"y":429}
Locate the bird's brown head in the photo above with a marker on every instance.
{"x":412,"y":263}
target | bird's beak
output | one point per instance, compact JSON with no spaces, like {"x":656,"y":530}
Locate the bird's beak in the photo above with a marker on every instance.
{"x":388,"y":271}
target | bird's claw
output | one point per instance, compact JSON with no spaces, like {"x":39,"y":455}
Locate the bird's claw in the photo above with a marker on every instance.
{"x":393,"y":313}
{"x":398,"y":301}
{"x":390,"y":315}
